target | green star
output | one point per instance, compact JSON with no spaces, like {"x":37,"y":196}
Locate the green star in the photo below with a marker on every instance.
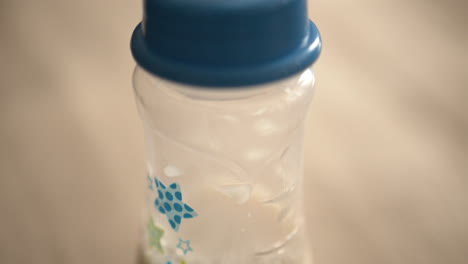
{"x":155,"y":235}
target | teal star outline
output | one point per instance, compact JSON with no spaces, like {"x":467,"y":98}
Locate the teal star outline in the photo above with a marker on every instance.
{"x":187,"y":247}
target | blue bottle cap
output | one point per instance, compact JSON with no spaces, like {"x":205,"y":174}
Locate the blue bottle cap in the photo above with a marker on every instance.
{"x":225,"y":43}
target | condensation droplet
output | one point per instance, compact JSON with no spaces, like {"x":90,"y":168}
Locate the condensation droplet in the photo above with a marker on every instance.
{"x":238,"y":192}
{"x":149,"y":168}
{"x":265,"y":127}
{"x":256,"y":154}
{"x":230,"y":118}
{"x":260,"y":111}
{"x":172,"y":171}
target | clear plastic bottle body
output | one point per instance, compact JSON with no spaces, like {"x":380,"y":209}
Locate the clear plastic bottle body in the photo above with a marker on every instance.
{"x":225,"y":171}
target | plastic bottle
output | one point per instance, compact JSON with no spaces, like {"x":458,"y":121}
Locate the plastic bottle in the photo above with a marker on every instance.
{"x":223,"y":88}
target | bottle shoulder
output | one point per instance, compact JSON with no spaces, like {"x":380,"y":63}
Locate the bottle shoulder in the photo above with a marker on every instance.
{"x":296,"y":88}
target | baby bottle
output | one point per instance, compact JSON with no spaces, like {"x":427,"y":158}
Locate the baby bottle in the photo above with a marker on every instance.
{"x":223,"y":89}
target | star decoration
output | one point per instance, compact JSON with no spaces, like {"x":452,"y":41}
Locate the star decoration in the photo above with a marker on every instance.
{"x":169,"y":202}
{"x":155,"y":235}
{"x":150,"y":182}
{"x":184,"y":245}
{"x":181,"y":262}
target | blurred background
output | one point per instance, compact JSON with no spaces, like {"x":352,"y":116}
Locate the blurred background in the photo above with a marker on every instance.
{"x":386,"y":148}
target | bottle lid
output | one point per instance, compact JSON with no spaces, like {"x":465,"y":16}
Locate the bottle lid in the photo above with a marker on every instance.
{"x":225,"y":43}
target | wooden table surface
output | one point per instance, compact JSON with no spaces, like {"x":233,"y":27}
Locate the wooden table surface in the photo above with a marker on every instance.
{"x":387,"y":143}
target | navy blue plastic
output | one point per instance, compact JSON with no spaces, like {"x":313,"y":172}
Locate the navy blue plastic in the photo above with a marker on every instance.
{"x":224,"y":43}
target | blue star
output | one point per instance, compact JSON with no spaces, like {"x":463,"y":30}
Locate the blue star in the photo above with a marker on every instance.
{"x":184,"y":245}
{"x":170,"y":203}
